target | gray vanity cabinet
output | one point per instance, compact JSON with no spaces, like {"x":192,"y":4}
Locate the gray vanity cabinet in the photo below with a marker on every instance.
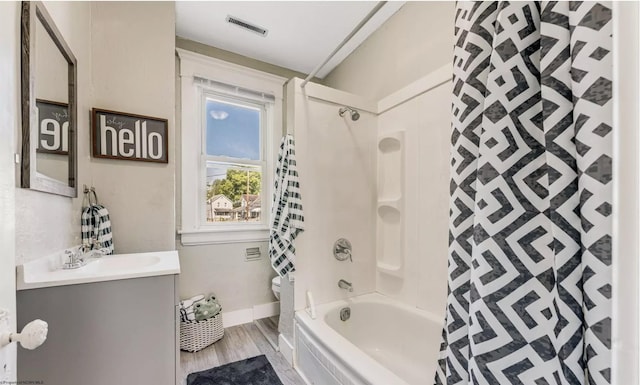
{"x":103,"y":333}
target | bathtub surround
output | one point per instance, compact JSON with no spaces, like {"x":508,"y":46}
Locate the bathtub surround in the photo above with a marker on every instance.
{"x":414,"y":100}
{"x":530,"y":293}
{"x":420,"y":281}
{"x":426,"y":131}
{"x":336,"y":159}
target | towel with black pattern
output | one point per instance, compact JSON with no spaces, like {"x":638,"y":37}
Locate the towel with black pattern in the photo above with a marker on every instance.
{"x":286,"y":212}
{"x":96,"y":228}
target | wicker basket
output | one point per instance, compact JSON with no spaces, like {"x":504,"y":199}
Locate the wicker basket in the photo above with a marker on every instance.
{"x":197,"y":335}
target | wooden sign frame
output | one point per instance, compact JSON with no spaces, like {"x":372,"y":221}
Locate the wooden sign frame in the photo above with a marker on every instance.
{"x":63,"y":106}
{"x":142,"y":145}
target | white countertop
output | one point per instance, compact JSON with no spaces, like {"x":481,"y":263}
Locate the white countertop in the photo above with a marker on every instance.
{"x":48,"y":272}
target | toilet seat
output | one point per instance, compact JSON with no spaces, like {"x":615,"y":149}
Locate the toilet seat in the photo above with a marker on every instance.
{"x":275,"y":286}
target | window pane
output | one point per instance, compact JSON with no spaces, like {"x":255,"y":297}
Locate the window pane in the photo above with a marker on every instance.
{"x":232,"y":130}
{"x":233,"y":193}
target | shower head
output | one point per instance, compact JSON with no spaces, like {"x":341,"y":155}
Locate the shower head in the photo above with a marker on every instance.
{"x":355,"y":115}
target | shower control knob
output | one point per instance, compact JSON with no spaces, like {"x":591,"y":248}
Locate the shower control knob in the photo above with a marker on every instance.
{"x":32,"y":336}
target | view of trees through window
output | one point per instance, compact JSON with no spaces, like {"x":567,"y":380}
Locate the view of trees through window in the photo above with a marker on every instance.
{"x":234,"y":160}
{"x":233,"y":194}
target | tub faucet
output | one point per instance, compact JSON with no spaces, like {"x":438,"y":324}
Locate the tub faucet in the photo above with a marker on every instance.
{"x":345,"y":285}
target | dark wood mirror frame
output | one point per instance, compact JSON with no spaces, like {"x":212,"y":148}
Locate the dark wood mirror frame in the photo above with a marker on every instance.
{"x":32,"y":13}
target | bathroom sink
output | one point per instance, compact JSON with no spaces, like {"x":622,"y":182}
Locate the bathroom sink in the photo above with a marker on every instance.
{"x":121,"y":263}
{"x":47,"y":271}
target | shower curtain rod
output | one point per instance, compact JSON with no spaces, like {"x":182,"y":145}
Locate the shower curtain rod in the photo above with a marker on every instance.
{"x":346,"y":39}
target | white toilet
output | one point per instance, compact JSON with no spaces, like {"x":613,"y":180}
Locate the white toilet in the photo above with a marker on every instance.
{"x":275,"y":286}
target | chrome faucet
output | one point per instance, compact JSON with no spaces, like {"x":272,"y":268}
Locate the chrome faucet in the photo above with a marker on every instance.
{"x":80,"y":257}
{"x":345,"y":285}
{"x":96,"y":253}
{"x":75,"y":260}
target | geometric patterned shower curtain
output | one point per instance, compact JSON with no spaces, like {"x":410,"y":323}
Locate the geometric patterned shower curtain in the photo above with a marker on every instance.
{"x":529,"y":298}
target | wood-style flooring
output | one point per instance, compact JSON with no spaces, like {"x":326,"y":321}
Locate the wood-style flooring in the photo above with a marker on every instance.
{"x":239,"y":342}
{"x":269,"y":328}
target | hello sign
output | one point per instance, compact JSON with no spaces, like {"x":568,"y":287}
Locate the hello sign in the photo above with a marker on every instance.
{"x":53,"y":127}
{"x":118,"y":135}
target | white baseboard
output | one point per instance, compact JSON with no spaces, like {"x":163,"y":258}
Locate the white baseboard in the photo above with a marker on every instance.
{"x":286,"y":348}
{"x":237,"y":317}
{"x":266,"y":310}
{"x":244,"y":316}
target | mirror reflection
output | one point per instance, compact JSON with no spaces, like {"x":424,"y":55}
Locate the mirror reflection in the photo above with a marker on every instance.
{"x":52,"y":108}
{"x":49,"y":105}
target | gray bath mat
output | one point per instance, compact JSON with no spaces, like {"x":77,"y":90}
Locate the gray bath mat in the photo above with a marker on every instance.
{"x":252,"y":371}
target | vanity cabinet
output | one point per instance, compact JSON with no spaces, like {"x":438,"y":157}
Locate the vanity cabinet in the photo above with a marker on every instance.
{"x":103,"y":333}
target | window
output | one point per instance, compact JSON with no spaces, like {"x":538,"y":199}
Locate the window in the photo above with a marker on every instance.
{"x":230,"y":129}
{"x":235,"y":160}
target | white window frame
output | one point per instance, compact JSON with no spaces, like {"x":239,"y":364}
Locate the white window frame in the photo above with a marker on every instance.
{"x":193,"y":230}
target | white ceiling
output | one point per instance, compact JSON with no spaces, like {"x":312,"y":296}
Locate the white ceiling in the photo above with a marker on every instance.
{"x":301,"y":33}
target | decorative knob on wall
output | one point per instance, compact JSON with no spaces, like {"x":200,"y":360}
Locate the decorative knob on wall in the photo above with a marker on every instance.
{"x":32,"y":336}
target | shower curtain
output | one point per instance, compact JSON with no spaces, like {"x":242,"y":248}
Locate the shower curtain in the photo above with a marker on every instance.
{"x":529,"y":298}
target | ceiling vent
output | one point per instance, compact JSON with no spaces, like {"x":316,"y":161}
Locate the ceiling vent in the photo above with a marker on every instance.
{"x":248,"y":26}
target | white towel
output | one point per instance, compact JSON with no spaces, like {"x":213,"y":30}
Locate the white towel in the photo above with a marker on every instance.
{"x":286,"y":211}
{"x":186,"y":307}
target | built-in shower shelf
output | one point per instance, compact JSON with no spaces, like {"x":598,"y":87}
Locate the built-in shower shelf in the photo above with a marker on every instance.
{"x":393,"y":203}
{"x":390,"y":208}
{"x":395,"y":270}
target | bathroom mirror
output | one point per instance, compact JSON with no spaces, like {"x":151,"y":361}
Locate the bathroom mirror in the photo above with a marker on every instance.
{"x":49,"y":105}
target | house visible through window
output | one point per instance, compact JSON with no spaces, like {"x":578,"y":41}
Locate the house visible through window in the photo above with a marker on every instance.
{"x":235,"y":160}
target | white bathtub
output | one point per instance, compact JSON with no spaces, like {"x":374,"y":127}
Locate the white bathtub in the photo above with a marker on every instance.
{"x":382,"y":343}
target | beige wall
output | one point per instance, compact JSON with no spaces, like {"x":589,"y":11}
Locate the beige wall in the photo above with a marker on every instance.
{"x":125,"y":54}
{"x":222,"y":269}
{"x":234,"y":58}
{"x":133,"y":68}
{"x":9,"y":111}
{"x":47,"y":223}
{"x":414,"y":42}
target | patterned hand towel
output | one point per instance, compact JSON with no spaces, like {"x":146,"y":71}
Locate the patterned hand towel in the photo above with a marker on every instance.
{"x":96,"y":228}
{"x":286,"y":211}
